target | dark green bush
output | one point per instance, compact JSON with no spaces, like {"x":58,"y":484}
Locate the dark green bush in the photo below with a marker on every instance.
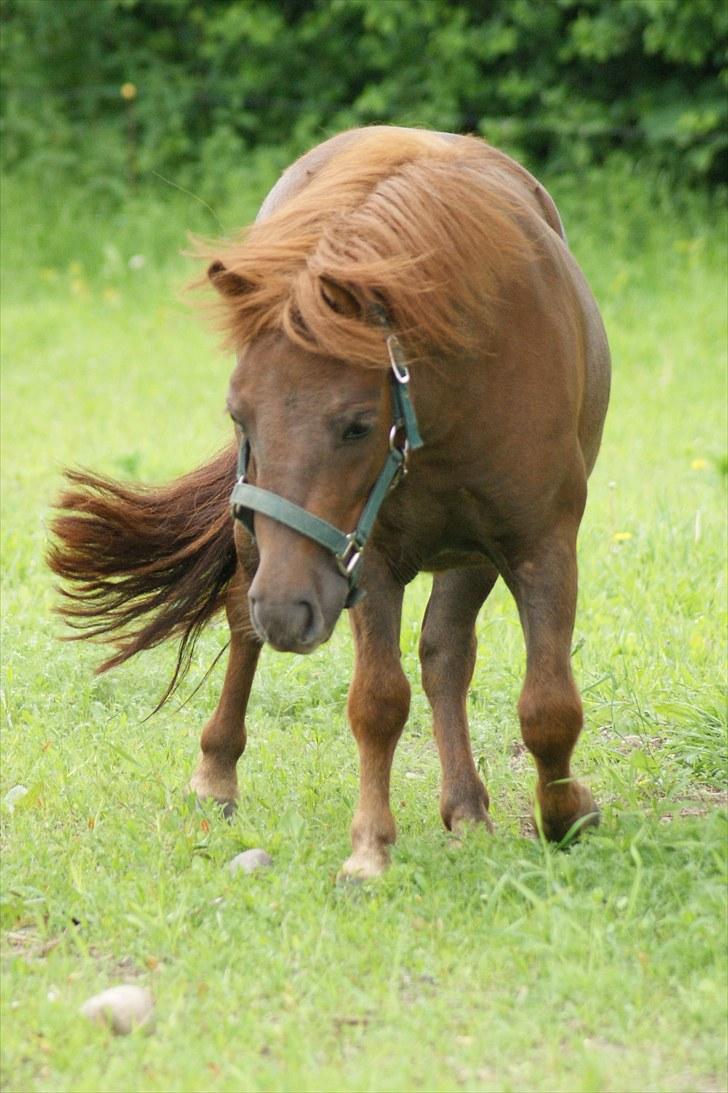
{"x":219,"y":83}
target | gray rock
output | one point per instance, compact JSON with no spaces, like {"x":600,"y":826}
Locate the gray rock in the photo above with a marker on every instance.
{"x":12,"y":796}
{"x":122,"y":1008}
{"x":249,"y":861}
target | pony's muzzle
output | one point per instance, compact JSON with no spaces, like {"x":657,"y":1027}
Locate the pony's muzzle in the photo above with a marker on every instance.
{"x":293,"y":626}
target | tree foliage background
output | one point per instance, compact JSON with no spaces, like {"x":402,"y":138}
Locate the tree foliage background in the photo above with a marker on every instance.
{"x":211,"y":86}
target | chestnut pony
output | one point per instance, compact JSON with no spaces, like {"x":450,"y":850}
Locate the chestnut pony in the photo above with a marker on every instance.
{"x":383,"y":256}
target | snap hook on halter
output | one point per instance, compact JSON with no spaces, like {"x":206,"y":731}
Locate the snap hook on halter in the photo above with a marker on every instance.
{"x":396,"y":359}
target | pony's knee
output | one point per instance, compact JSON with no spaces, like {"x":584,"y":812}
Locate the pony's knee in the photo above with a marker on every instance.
{"x":551,"y":719}
{"x":379,"y":704}
{"x":446,"y":659}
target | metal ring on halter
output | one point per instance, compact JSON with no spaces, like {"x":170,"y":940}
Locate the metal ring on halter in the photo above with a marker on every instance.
{"x":393,"y":445}
{"x":403,"y":450}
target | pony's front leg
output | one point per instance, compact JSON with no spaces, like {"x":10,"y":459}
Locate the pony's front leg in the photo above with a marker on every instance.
{"x":379,"y":699}
{"x":550,"y":710}
{"x":223,"y":738}
{"x":447,"y":653}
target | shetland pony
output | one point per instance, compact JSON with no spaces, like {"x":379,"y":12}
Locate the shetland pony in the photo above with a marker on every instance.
{"x":447,"y":251}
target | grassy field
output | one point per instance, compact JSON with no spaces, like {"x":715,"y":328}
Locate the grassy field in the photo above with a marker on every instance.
{"x":495,"y":964}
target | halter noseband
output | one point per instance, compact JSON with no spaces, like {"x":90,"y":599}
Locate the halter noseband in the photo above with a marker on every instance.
{"x":404,"y":436}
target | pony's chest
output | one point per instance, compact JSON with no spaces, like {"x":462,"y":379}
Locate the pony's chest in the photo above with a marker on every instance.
{"x":425,"y":530}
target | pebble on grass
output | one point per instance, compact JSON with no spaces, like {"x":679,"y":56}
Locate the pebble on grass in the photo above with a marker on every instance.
{"x":249,"y":861}
{"x":122,"y":1008}
{"x":13,"y":795}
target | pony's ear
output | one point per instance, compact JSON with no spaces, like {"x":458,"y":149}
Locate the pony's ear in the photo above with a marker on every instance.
{"x":226,"y":282}
{"x":340,"y":299}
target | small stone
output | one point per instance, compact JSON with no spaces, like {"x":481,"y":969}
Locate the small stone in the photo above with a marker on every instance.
{"x":12,"y":796}
{"x":633,"y":741}
{"x":122,"y":1008}
{"x":249,"y":861}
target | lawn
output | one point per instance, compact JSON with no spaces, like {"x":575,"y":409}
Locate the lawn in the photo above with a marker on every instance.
{"x":498,"y":963}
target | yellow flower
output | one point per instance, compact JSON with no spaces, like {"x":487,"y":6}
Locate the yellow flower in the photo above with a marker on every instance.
{"x":620,"y":280}
{"x":128,"y":91}
{"x":621,"y":536}
{"x":699,"y":464}
{"x":689,"y":246}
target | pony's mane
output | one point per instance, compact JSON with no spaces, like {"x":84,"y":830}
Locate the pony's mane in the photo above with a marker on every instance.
{"x":405,"y":221}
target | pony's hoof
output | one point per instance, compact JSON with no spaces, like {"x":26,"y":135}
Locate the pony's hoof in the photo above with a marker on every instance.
{"x":228,"y":808}
{"x":211,"y":784}
{"x":464,"y":807}
{"x":363,"y":865}
{"x":564,"y":815}
{"x":464,"y":820}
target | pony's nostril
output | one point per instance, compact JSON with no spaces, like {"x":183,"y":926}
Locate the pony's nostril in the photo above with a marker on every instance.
{"x":253,"y":610}
{"x":309,"y":626}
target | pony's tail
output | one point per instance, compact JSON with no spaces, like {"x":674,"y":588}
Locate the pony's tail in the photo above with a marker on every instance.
{"x":144,"y":564}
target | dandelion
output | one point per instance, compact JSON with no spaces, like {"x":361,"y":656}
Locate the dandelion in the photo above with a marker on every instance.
{"x":621,"y":536}
{"x":620,"y":280}
{"x":698,"y":464}
{"x":128,"y":91}
{"x":689,"y":246}
{"x":79,"y":287}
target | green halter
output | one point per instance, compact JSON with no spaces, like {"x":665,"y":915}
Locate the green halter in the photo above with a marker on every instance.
{"x":404,"y":436}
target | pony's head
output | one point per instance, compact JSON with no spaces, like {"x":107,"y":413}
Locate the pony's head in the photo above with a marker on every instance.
{"x":318,"y":436}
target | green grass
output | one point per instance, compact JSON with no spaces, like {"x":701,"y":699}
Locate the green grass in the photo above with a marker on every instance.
{"x":499,"y":964}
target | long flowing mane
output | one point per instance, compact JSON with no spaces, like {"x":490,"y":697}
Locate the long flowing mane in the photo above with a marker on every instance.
{"x":430,"y":229}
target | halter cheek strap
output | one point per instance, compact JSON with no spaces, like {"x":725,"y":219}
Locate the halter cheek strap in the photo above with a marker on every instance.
{"x":404,"y":436}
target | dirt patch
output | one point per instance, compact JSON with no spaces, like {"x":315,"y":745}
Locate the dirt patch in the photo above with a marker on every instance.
{"x":704,"y":800}
{"x":26,"y":941}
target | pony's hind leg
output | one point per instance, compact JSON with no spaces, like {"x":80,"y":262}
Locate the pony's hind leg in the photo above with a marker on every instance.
{"x":223,"y":738}
{"x":379,"y":699}
{"x":550,"y":711}
{"x":447,"y":654}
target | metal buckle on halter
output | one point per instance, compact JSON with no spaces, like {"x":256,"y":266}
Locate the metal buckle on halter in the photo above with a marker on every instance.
{"x":235,"y":508}
{"x":348,"y":558}
{"x":403,"y":449}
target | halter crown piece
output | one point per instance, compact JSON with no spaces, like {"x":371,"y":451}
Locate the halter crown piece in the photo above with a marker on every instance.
{"x":404,"y":436}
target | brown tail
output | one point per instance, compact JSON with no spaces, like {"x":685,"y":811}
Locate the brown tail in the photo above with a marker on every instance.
{"x":145,"y":564}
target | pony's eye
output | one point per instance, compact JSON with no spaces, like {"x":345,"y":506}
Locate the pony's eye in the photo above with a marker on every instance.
{"x":356,"y":430}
